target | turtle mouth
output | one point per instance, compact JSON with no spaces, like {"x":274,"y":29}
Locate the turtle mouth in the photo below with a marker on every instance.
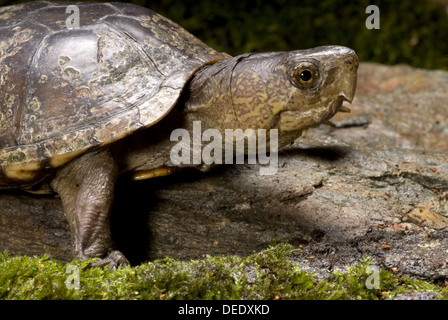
{"x":343,"y":108}
{"x":295,"y":120}
{"x":346,"y":97}
{"x":333,"y":107}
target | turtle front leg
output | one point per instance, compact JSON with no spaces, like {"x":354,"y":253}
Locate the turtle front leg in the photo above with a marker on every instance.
{"x":86,"y":187}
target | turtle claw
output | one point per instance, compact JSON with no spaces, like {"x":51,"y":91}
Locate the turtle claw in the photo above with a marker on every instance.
{"x":114,"y":259}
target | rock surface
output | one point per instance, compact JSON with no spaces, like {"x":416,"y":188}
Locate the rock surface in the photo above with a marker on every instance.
{"x":375,"y":185}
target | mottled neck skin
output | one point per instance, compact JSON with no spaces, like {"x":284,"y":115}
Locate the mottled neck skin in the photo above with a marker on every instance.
{"x":209,"y":97}
{"x":206,"y":99}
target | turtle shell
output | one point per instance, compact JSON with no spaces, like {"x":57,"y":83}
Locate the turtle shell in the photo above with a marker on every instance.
{"x":64,"y":91}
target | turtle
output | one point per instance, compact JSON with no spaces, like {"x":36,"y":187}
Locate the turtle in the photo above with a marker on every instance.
{"x":82,"y":105}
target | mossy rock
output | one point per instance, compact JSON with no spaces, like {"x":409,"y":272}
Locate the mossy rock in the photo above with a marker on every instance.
{"x":269,"y":274}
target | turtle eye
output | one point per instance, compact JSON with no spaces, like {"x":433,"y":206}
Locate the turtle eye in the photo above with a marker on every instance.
{"x":305,"y":76}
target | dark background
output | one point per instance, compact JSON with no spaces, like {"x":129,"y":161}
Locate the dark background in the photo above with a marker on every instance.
{"x":413,"y":32}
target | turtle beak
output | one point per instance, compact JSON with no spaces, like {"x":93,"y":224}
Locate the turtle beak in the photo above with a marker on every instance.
{"x":350,"y":64}
{"x":348,"y":97}
{"x":348,"y":86}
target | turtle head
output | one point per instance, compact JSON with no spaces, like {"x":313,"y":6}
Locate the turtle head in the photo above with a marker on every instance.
{"x":292,"y":91}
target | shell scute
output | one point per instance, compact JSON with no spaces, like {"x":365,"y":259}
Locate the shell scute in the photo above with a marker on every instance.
{"x":64,"y":92}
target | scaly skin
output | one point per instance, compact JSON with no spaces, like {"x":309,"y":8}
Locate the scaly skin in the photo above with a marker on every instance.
{"x":86,"y":187}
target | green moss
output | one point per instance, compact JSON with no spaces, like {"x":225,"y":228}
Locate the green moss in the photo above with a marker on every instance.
{"x":353,"y":282}
{"x":270,"y":274}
